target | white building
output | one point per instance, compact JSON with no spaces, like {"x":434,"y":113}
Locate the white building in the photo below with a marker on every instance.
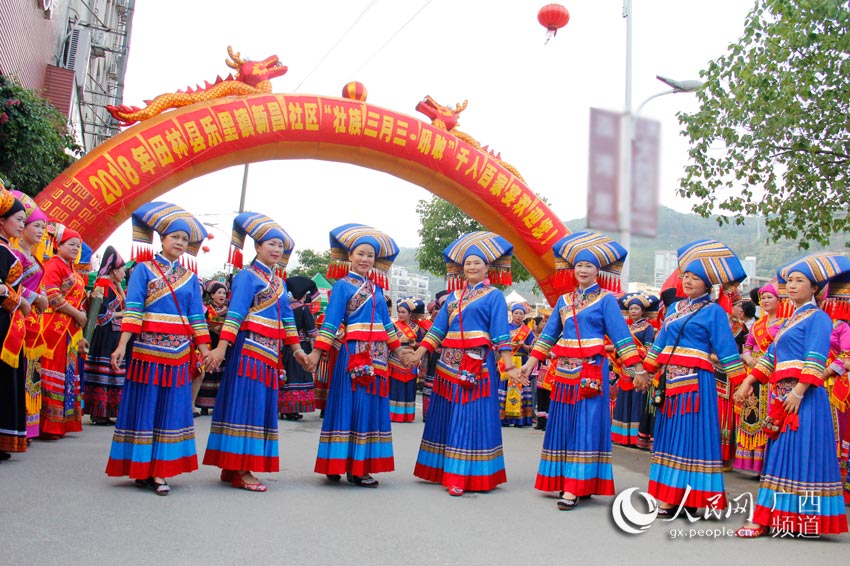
{"x":665,"y":264}
{"x":405,"y":284}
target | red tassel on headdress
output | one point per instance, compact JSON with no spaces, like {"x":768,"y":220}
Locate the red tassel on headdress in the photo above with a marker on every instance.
{"x":141,"y":253}
{"x":565,"y":281}
{"x":724,"y":299}
{"x":235,"y":257}
{"x":837,"y":309}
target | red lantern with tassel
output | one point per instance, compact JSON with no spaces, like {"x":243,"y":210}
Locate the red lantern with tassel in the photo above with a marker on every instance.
{"x":553,"y":17}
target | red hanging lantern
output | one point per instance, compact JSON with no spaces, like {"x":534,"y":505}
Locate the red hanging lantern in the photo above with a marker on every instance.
{"x":553,"y":17}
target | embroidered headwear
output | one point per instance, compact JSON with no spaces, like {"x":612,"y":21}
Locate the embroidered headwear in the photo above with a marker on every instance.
{"x":715,"y":264}
{"x":711,"y":261}
{"x":260,"y":228}
{"x":164,"y":218}
{"x":408,"y":303}
{"x":111,"y":260}
{"x":824,"y":268}
{"x":347,"y":237}
{"x":518,"y":307}
{"x":9,"y":205}
{"x":34,"y":213}
{"x":416,"y":307}
{"x":649,"y":303}
{"x":299,"y":286}
{"x":600,"y":250}
{"x":418,"y":312}
{"x":493,"y":249}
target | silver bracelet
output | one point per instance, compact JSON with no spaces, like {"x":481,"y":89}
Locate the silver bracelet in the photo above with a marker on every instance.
{"x":296,"y":352}
{"x":794,"y":393}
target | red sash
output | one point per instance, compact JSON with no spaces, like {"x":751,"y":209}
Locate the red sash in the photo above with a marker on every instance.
{"x":407,"y":331}
{"x":55,"y":324}
{"x":518,"y":337}
{"x":761,"y":334}
{"x":14,"y":339}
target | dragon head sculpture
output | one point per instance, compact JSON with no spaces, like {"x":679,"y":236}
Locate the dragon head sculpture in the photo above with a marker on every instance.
{"x":254,"y":73}
{"x":440,"y":115}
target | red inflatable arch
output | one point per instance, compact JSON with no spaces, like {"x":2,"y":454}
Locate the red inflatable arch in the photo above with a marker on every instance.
{"x":100,"y":191}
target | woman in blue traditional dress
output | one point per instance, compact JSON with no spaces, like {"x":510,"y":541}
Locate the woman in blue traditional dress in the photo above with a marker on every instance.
{"x":687,"y":467}
{"x":297,"y":394}
{"x":516,"y":407}
{"x":403,"y":378}
{"x":631,"y":423}
{"x":243,"y":434}
{"x":356,"y":437}
{"x":154,"y":434}
{"x":800,"y":485}
{"x":576,"y":458}
{"x":461,"y":445}
{"x":103,"y":384}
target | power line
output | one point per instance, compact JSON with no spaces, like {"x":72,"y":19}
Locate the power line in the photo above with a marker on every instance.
{"x":393,"y":36}
{"x":335,"y":45}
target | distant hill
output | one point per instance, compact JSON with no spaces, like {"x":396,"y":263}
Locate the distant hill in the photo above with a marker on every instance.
{"x":676,"y":229}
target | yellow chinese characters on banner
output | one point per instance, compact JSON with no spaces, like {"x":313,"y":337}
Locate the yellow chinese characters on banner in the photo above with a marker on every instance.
{"x":100,"y":191}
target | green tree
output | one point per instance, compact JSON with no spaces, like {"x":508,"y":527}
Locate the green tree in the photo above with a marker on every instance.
{"x":772,"y":136}
{"x":35,"y":143}
{"x":311,"y":262}
{"x":440,"y":224}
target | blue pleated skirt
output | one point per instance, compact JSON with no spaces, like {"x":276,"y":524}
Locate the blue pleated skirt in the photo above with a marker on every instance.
{"x":628,"y":412}
{"x":154,"y":432}
{"x":576,"y":455}
{"x":686,"y":457}
{"x":462,"y":442}
{"x":800,"y":489}
{"x":243,"y":432}
{"x":356,"y":436}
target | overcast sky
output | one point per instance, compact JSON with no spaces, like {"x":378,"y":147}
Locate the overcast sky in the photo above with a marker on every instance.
{"x":528,"y":101}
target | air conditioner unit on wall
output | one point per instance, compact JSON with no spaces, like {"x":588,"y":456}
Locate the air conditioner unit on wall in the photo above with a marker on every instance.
{"x":77,"y":54}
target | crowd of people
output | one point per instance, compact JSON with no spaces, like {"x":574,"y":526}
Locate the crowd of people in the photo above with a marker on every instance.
{"x":691,"y":374}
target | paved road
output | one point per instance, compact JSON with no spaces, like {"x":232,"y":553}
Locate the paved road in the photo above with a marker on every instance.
{"x":58,"y":507}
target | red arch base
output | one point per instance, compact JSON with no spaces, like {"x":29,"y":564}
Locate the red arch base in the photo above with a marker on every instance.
{"x":99,"y":192}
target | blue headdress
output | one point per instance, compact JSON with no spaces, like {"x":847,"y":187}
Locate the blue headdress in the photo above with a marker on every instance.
{"x":600,"y":250}
{"x":493,"y":249}
{"x":822,"y":269}
{"x":347,"y":237}
{"x":164,"y":218}
{"x":260,"y":228}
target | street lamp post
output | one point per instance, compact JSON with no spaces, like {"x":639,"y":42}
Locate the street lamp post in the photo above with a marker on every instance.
{"x":627,"y":134}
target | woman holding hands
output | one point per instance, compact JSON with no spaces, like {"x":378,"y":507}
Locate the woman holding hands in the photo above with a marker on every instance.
{"x":462,"y":442}
{"x":576,"y":459}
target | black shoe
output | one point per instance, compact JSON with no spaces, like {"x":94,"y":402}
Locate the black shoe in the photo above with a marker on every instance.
{"x":567,"y":504}
{"x":333,"y":477}
{"x":4,"y":455}
{"x":366,"y":481}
